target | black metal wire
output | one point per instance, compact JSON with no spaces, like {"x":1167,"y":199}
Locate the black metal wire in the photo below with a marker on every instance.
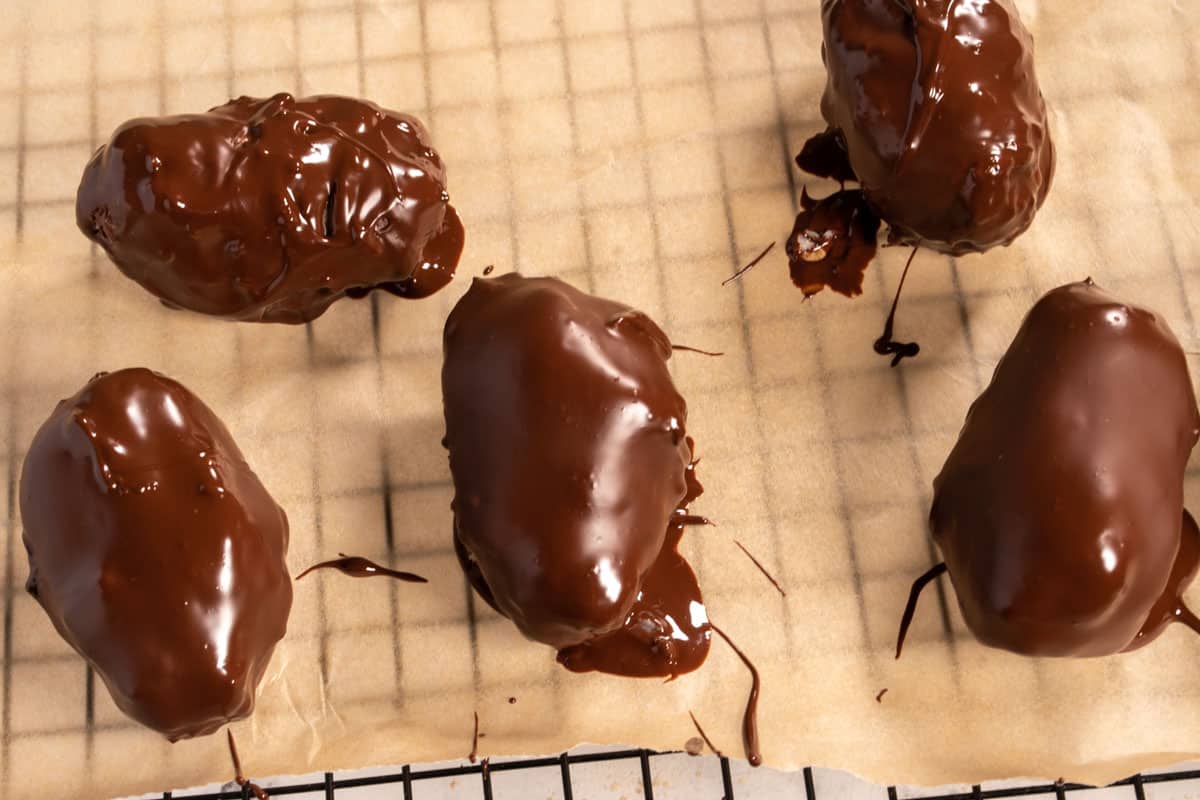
{"x":565,"y":765}
{"x":485,"y":775}
{"x":647,"y":786}
{"x":726,"y":779}
{"x":407,"y":776}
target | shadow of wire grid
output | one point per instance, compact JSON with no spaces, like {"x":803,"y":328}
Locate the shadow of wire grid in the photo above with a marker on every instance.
{"x":640,"y":149}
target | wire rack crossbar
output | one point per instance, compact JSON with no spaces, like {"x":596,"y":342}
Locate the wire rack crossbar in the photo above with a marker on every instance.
{"x":407,"y":776}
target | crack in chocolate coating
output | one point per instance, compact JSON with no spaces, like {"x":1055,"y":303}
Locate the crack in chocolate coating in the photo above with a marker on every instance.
{"x":270,"y":210}
{"x":572,"y":473}
{"x":1059,"y":509}
{"x":934,"y":106}
{"x":156,"y":551}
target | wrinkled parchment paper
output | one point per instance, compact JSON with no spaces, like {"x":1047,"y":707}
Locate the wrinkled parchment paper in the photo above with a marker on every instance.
{"x":640,"y":149}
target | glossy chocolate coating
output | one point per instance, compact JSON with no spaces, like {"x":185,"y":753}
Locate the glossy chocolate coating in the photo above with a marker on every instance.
{"x":155,"y":550}
{"x":572,"y":471}
{"x":937,"y":107}
{"x":1059,"y":509}
{"x":269,"y":210}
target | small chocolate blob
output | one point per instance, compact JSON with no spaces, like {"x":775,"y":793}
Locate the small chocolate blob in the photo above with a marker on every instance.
{"x":156,"y":551}
{"x":1060,"y":510}
{"x":832,"y":243}
{"x":269,"y":210}
{"x":572,"y":474}
{"x":934,"y":108}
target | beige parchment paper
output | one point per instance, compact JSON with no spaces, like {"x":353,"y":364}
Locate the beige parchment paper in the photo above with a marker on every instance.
{"x":640,"y":149}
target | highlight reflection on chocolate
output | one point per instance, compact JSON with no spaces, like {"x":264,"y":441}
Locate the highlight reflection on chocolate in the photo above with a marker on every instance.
{"x":572,"y":474}
{"x":933,"y":106}
{"x":156,"y":551}
{"x":269,"y":210}
{"x":1060,"y":509}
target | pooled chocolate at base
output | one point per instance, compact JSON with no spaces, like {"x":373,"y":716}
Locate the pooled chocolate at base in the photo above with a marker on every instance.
{"x":933,"y":106}
{"x":359,"y":567}
{"x":572,"y":471}
{"x":271,"y":209}
{"x":1059,"y":512}
{"x":663,"y":626}
{"x":156,"y":551}
{"x":832,"y":242}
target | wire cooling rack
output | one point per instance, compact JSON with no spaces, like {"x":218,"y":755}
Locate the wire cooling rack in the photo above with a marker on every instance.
{"x":433,"y":782}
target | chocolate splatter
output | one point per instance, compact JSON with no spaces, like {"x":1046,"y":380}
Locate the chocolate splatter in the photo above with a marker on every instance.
{"x":359,"y":567}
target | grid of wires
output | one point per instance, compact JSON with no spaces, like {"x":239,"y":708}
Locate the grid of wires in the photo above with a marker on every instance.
{"x":409,"y":780}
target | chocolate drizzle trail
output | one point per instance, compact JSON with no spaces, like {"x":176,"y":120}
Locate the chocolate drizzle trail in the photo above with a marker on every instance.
{"x":1059,"y":512}
{"x":914,"y":594}
{"x":879,"y":697}
{"x":572,"y":474}
{"x":885,"y":345}
{"x":155,"y":550}
{"x":761,"y":568}
{"x":242,"y":782}
{"x":750,"y":718}
{"x":933,"y":106}
{"x":269,"y":210}
{"x":358,"y":567}
{"x":754,"y":263}
{"x":832,"y":242}
{"x":474,"y":754}
{"x":675,"y":348}
{"x":704,"y":736}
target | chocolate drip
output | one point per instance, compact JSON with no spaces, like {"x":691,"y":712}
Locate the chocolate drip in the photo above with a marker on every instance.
{"x":269,"y":210}
{"x":761,"y":568}
{"x":572,"y":474}
{"x":242,"y":782}
{"x":885,"y":345}
{"x":750,"y":718}
{"x":754,"y":263}
{"x":825,"y":156}
{"x":1170,"y":606}
{"x":474,"y":754}
{"x":358,"y":567}
{"x":156,"y":551}
{"x":910,"y":608}
{"x":678,"y":347}
{"x":704,"y":736}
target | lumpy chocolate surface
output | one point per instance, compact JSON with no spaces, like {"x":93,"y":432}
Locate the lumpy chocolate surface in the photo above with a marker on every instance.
{"x":1060,"y":510}
{"x":934,"y":107}
{"x":156,"y":551}
{"x":269,"y":210}
{"x":572,"y":472}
